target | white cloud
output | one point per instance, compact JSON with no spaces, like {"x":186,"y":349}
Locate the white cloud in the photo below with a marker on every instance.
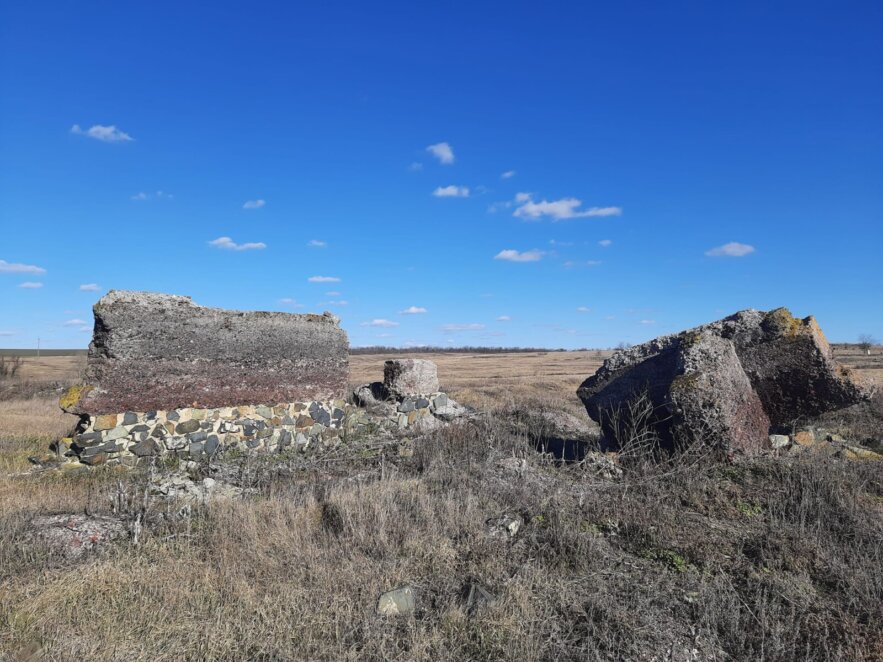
{"x":454,"y":328}
{"x":558,"y":210}
{"x":317,"y":243}
{"x":323,"y":279}
{"x":605,"y":243}
{"x":504,"y":318}
{"x":288,"y":301}
{"x":443,"y":152}
{"x":338,"y":303}
{"x":89,"y":287}
{"x":332,"y":294}
{"x":75,"y":322}
{"x":228,"y":244}
{"x":254,"y":204}
{"x":571,"y":264}
{"x":108,"y":134}
{"x":415,"y":167}
{"x":647,"y":322}
{"x":159,"y":195}
{"x":515,"y":256}
{"x":30,"y":285}
{"x":17,"y":268}
{"x":412,"y":310}
{"x":380,"y":323}
{"x":732,"y":249}
{"x":509,"y":174}
{"x":451,"y":192}
{"x":583,"y":309}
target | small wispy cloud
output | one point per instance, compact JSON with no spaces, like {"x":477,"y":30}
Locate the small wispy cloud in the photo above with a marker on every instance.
{"x":509,"y":174}
{"x":455,"y":328}
{"x":494,"y":207}
{"x":511,"y":255}
{"x":381,"y":323}
{"x":323,"y":279}
{"x":583,"y":309}
{"x":732,"y":249}
{"x":451,"y":192}
{"x":573,"y":264}
{"x":605,"y":243}
{"x":504,"y":318}
{"x":317,"y":243}
{"x":254,"y":204}
{"x":89,"y":287}
{"x":339,"y":302}
{"x":332,"y":294}
{"x":227,"y":243}
{"x":288,"y":301}
{"x":75,"y":322}
{"x":558,"y":210}
{"x":107,"y":134}
{"x":159,"y":195}
{"x":18,"y":268}
{"x":30,"y":285}
{"x":413,"y":310}
{"x":647,"y":322}
{"x":6,"y":334}
{"x":415,"y":167}
{"x":86,"y":328}
{"x":443,"y":152}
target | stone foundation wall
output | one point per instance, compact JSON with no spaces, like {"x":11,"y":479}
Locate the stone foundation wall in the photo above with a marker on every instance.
{"x":194,"y":433}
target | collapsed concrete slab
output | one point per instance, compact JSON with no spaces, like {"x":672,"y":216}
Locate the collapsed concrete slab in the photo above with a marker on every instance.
{"x":161,"y":352}
{"x":725,"y":383}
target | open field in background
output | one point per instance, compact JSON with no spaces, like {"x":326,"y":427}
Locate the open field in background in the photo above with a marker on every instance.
{"x":469,"y":376}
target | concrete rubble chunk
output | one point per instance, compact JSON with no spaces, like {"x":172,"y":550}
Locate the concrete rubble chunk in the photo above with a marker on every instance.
{"x":401,"y":601}
{"x":163,"y":352}
{"x":727,"y":383}
{"x":404,"y":377}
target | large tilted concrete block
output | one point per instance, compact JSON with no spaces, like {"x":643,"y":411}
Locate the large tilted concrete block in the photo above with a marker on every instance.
{"x":410,"y":376}
{"x":161,"y":352}
{"x":725,"y":383}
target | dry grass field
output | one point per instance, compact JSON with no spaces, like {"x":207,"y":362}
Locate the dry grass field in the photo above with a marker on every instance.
{"x":768,"y":559}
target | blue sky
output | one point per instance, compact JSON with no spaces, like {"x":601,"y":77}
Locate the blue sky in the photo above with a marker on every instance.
{"x":544,"y":174}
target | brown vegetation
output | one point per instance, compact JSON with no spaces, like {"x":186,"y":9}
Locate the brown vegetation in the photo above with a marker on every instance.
{"x":769,"y":559}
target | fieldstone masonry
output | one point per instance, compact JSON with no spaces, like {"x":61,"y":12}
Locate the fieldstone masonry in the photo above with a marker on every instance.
{"x":166,"y":376}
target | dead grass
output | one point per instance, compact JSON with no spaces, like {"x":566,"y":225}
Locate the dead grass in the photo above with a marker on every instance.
{"x":769,"y":559}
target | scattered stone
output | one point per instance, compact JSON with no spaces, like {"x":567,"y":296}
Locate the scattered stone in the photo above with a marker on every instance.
{"x":401,"y":601}
{"x":94,"y":460}
{"x":130,"y":418}
{"x":804,"y":437}
{"x":779,"y":440}
{"x":506,"y":526}
{"x":73,"y":536}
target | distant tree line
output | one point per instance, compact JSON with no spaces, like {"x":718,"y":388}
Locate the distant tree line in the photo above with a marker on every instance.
{"x":380,"y":349}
